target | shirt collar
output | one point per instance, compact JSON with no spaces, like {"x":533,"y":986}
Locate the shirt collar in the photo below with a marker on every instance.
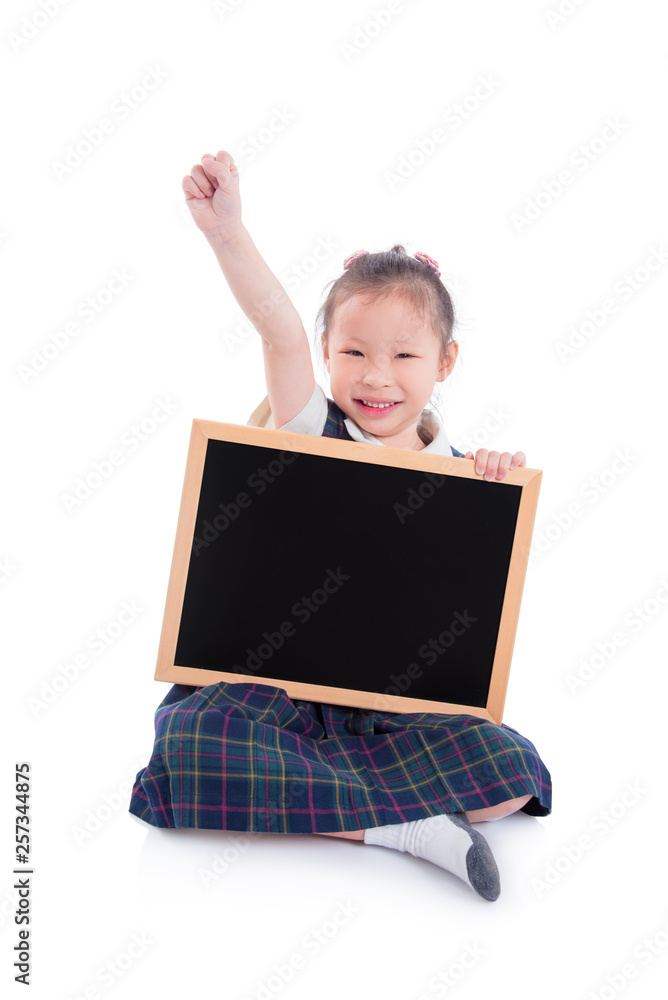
{"x":430,"y":423}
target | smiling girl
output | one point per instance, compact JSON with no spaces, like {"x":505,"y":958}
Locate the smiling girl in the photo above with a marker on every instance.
{"x":244,"y":756}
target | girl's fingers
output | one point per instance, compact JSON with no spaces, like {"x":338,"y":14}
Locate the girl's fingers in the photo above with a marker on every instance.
{"x":206,"y":177}
{"x":208,"y":165}
{"x":481,"y":460}
{"x":218,"y":169}
{"x":492,"y":465}
{"x":203,"y":180}
{"x":190,"y":188}
{"x":226,"y":159}
{"x":220,"y":165}
{"x":226,"y":167}
{"x":504,"y":464}
{"x":495,"y":465}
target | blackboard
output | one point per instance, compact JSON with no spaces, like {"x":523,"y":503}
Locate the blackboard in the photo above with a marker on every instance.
{"x":346,"y":573}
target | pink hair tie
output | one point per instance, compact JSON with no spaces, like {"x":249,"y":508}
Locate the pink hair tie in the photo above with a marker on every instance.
{"x":429,"y":261}
{"x":348,"y":261}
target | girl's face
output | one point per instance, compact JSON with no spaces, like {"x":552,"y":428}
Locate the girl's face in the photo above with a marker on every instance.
{"x":379,"y":352}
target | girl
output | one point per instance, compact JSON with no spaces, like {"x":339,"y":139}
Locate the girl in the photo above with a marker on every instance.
{"x":244,"y":756}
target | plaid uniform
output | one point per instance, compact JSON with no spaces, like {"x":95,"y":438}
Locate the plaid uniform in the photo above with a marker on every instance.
{"x":245,"y":756}
{"x":334,"y":425}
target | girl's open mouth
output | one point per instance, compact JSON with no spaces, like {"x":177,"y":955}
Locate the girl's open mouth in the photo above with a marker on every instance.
{"x":377,"y":409}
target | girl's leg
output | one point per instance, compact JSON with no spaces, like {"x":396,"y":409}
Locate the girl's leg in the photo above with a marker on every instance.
{"x":351,"y":835}
{"x":447,"y":840}
{"x":473,"y":816}
{"x":497,"y":812}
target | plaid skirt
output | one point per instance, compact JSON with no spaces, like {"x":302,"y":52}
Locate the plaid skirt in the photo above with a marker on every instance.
{"x":244,"y":756}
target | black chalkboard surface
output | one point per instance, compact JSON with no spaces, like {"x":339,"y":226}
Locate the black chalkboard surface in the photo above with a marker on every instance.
{"x":346,"y":573}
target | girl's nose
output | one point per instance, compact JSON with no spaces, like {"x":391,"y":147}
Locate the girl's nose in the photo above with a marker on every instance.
{"x":377,"y":375}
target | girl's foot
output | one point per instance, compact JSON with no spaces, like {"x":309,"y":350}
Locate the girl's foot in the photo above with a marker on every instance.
{"x":449,"y":841}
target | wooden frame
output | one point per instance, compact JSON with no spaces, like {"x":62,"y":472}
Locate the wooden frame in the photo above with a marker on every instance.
{"x":304,"y":495}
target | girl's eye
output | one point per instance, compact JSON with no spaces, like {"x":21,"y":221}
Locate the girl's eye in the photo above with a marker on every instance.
{"x":398,"y":355}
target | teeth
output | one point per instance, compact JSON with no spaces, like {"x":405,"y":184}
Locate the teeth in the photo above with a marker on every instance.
{"x":379,"y":406}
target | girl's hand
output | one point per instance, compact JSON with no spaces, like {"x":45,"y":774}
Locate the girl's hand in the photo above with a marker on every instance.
{"x":212,"y":195}
{"x":493,"y":464}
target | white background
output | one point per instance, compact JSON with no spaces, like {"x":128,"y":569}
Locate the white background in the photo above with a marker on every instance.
{"x":560,"y":927}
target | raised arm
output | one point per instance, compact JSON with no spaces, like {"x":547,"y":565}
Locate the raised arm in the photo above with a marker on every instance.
{"x":212,"y":195}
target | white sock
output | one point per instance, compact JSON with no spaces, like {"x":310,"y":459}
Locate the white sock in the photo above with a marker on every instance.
{"x":449,"y":841}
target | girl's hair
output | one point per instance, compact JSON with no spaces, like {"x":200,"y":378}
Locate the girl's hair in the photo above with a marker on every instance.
{"x":392,"y":272}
